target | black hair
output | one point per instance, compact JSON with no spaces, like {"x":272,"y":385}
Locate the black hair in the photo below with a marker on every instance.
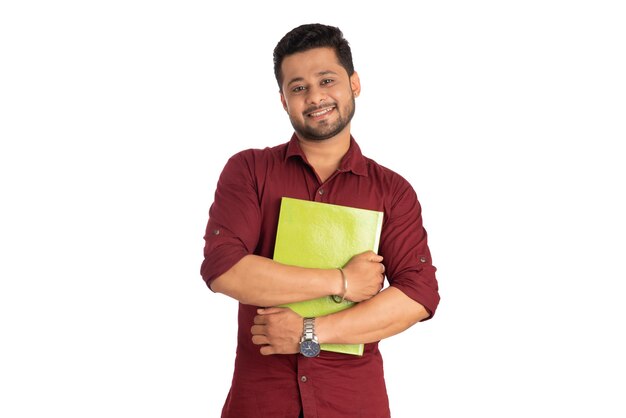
{"x":309,"y":36}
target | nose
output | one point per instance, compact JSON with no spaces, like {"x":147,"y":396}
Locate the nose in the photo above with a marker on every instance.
{"x":316,"y":95}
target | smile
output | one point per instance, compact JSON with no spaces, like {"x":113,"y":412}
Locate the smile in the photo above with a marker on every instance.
{"x":321,"y":112}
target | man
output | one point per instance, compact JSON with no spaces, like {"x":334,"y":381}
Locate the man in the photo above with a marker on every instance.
{"x":322,"y":162}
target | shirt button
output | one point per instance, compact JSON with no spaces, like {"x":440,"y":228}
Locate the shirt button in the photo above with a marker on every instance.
{"x":303,"y":379}
{"x":423,"y":259}
{"x":321,"y":191}
{"x":216,"y":232}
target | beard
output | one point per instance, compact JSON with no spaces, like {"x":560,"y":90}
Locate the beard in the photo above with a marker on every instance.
{"x":325,"y":129}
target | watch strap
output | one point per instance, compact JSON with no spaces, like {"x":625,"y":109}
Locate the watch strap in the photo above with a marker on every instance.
{"x":309,"y":329}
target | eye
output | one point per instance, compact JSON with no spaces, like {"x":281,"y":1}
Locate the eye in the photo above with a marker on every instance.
{"x":327,"y":81}
{"x":297,"y":89}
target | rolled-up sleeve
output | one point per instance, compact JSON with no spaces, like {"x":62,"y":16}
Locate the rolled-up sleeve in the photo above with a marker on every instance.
{"x":404,"y":246}
{"x":234,"y":219}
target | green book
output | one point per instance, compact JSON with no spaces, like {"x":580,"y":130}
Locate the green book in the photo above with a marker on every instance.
{"x":323,"y":235}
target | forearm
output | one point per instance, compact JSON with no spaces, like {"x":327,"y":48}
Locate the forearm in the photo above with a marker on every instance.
{"x":388,"y":313}
{"x":260,"y":281}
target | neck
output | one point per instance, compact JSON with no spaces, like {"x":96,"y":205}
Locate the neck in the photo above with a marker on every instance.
{"x":325,"y":155}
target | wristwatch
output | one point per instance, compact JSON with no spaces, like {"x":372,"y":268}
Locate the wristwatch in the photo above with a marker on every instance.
{"x":309,"y":346}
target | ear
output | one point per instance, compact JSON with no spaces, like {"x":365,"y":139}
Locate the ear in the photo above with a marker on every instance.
{"x":355,"y":84}
{"x":283,"y":101}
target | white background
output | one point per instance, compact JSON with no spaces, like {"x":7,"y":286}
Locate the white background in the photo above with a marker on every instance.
{"x":117,"y":117}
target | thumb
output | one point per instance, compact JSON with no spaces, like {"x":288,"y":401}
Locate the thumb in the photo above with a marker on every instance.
{"x":268,"y":311}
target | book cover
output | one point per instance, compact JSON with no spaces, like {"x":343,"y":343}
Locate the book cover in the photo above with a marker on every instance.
{"x":323,"y":235}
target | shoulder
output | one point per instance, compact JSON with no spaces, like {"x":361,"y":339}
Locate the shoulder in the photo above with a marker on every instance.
{"x":398,"y":195}
{"x":255,"y":157}
{"x":390,"y":179}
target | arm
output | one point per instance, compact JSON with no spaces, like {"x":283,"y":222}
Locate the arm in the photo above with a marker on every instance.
{"x":259,"y":281}
{"x":390,"y":312}
{"x":387,"y":314}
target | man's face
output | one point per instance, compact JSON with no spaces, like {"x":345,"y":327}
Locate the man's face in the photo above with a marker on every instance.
{"x":317,"y":93}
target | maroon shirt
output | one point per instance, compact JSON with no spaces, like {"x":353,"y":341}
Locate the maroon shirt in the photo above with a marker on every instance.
{"x":243,"y":220}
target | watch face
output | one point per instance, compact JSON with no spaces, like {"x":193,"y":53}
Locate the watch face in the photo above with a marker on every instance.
{"x":309,"y":348}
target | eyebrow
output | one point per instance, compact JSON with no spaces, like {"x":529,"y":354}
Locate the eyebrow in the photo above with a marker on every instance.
{"x":319,"y":74}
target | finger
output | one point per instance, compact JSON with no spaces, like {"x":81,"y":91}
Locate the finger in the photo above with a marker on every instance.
{"x":260,"y":320}
{"x":374,"y":254}
{"x":269,"y":311}
{"x":267,"y":350}
{"x":258,"y":330}
{"x":260,"y":340}
{"x":368,"y":255}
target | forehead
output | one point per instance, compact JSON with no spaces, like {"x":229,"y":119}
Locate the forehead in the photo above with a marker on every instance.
{"x":309,"y":63}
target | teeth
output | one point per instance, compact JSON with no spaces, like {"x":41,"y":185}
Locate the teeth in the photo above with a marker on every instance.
{"x":321,"y":112}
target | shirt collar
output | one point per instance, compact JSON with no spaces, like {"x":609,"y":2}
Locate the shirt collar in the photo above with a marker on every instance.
{"x":353,"y":161}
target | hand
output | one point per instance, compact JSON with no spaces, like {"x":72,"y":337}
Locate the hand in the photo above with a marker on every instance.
{"x":277,"y":331}
{"x":365,"y":274}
